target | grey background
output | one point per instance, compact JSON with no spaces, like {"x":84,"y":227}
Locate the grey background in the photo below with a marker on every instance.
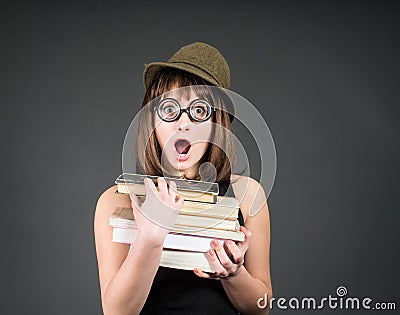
{"x":324,"y":75}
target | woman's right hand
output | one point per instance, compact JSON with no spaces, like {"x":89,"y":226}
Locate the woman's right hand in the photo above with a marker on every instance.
{"x":157,"y":215}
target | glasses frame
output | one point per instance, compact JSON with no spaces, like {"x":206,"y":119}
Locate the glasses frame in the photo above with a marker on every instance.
{"x":188,"y":111}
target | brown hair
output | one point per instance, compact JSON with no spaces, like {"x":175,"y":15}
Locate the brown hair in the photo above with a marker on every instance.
{"x":221,"y":150}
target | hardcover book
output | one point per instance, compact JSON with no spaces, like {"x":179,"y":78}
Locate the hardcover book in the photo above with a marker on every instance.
{"x":188,"y":189}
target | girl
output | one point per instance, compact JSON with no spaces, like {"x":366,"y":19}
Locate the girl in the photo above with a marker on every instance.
{"x":181,"y":132}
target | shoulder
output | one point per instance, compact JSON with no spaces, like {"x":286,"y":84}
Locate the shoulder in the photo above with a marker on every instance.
{"x":110,"y":197}
{"x":250,"y":194}
{"x":246,"y":187}
{"x":108,"y":201}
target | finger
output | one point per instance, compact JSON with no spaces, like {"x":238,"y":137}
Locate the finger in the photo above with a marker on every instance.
{"x":222,"y":255}
{"x":216,"y":264}
{"x":227,"y":250}
{"x":172,"y":190}
{"x":151,"y":189}
{"x":237,"y":254}
{"x":246,"y":231}
{"x":243,"y":246}
{"x":206,"y":275}
{"x":179,"y":203}
{"x":162,"y":186}
{"x":201,"y":274}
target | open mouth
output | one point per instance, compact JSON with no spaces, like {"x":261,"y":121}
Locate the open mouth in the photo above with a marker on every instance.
{"x":182,"y":146}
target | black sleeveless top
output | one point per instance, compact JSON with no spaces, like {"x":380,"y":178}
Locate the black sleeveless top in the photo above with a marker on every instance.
{"x":176,"y":291}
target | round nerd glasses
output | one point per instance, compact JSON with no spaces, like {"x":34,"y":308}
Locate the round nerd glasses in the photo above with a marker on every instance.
{"x":169,"y":110}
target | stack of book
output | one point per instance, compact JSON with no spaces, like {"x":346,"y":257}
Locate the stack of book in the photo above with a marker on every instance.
{"x":203,"y":217}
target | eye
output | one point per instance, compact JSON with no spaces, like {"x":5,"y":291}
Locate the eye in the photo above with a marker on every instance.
{"x":201,"y":109}
{"x":168,"y":109}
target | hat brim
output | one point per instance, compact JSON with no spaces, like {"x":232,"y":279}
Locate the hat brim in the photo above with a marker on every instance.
{"x":151,"y":70}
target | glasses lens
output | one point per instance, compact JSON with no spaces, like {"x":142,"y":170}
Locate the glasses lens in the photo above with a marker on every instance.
{"x":201,"y":110}
{"x":168,"y":109}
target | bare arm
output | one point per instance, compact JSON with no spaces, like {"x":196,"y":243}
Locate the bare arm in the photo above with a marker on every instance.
{"x":128,"y":289}
{"x":127,"y":272}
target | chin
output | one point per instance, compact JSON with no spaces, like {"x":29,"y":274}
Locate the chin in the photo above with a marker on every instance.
{"x":174,"y":165}
{"x":184,"y":166}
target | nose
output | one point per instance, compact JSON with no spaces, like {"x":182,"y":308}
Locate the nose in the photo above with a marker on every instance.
{"x":184,"y":122}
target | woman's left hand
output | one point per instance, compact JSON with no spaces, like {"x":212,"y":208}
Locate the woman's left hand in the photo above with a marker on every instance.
{"x":228,"y":259}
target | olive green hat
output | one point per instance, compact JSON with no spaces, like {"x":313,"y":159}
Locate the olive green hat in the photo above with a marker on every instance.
{"x":198,"y":58}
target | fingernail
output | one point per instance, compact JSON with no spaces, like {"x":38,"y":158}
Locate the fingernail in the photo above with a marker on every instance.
{"x":211,"y":253}
{"x":215,"y":242}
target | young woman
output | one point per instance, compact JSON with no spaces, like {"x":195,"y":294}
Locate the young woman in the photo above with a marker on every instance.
{"x":180,"y":135}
